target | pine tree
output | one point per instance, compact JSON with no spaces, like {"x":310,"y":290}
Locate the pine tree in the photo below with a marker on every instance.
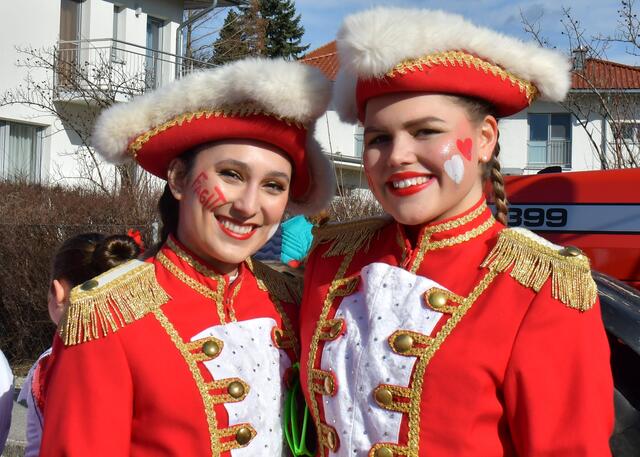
{"x":283,"y":31}
{"x":230,"y":45}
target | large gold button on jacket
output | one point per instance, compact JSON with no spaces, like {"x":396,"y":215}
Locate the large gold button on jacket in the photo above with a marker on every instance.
{"x":403,"y":343}
{"x":243,"y":435}
{"x":383,"y":452}
{"x":236,"y":389}
{"x":384,"y":396}
{"x":437,"y":299}
{"x":211,"y":348}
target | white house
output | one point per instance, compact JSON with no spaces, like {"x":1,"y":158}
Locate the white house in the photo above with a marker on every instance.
{"x":134,"y":43}
{"x":546,"y":134}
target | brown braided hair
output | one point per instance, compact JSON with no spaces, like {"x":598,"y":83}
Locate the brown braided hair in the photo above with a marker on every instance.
{"x":477,"y":109}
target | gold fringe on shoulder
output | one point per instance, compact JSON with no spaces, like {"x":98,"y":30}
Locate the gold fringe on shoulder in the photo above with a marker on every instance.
{"x":282,"y":286}
{"x":533,"y":262}
{"x":94,"y":313}
{"x":349,"y":236}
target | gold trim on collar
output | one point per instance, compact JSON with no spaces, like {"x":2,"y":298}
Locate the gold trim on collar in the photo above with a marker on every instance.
{"x":239,"y":110}
{"x":217,"y":296}
{"x":461,"y":58}
{"x":199,"y":267}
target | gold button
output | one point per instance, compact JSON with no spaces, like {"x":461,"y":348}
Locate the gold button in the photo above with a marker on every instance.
{"x":336,"y":328}
{"x":403,"y":343}
{"x":384,"y":396}
{"x":570,"y":251}
{"x":437,"y":299}
{"x":277,"y":336}
{"x":332,"y":441}
{"x":236,"y":389}
{"x":328,"y":385}
{"x":243,"y":435}
{"x":211,"y":348}
{"x":90,"y":284}
{"x":383,"y":452}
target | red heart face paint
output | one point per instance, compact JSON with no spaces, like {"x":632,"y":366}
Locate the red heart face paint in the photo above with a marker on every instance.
{"x":209,"y":198}
{"x":465,"y":146}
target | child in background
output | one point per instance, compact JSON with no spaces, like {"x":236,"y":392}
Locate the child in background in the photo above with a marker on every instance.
{"x":6,"y":399}
{"x":77,"y":260}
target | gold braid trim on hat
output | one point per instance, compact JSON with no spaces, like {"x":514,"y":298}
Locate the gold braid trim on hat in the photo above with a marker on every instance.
{"x":239,"y":110}
{"x":532,"y":263}
{"x":349,"y":236}
{"x":461,"y":58}
{"x":95,"y":312}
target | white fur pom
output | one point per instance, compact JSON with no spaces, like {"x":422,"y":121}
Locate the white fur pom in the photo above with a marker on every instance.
{"x":323,"y":180}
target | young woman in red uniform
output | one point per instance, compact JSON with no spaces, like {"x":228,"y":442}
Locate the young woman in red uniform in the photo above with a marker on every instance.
{"x":438,"y":331}
{"x":184,"y":354}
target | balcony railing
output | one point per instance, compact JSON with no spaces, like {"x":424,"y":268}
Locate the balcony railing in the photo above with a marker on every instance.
{"x":543,"y":154}
{"x":116,"y":67}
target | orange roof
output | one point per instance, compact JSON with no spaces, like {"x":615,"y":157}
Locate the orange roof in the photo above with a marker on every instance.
{"x":602,"y":74}
{"x":605,"y":74}
{"x":325,"y":58}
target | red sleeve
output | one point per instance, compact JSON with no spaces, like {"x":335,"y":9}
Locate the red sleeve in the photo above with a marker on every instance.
{"x":88,"y":408}
{"x":558,"y":385}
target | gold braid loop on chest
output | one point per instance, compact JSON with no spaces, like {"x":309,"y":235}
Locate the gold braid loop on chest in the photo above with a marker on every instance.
{"x":531,"y":261}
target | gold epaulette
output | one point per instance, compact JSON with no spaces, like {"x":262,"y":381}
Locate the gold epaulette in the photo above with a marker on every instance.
{"x":110,"y":301}
{"x":533,"y":260}
{"x":282,"y":286}
{"x":349,"y":236}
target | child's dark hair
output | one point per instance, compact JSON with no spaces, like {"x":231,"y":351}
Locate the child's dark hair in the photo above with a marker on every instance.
{"x":84,"y":256}
{"x":477,"y":110}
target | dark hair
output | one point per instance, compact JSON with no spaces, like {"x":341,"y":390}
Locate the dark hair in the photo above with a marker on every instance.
{"x":84,"y":256}
{"x":168,"y":206}
{"x":477,"y":110}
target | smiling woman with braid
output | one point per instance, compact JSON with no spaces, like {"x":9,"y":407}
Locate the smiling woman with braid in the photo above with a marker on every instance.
{"x":438,"y":331}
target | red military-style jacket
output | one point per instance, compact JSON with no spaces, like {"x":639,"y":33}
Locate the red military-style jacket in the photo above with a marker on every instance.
{"x":166,"y":358}
{"x":477,"y":341}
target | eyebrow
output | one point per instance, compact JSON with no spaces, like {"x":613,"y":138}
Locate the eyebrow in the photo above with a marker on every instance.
{"x":242,"y":166}
{"x":405,"y":125}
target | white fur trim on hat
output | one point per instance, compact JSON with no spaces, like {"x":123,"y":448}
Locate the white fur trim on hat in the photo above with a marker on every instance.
{"x":373,"y":42}
{"x":323,"y":180}
{"x":285,"y":89}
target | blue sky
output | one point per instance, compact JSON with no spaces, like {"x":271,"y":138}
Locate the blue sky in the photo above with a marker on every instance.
{"x":322,"y":18}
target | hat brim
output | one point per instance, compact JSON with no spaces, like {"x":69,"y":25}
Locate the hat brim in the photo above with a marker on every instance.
{"x":155,"y":150}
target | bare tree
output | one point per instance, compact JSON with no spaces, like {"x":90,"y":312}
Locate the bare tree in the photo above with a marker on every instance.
{"x":75,"y":84}
{"x":596,"y":94}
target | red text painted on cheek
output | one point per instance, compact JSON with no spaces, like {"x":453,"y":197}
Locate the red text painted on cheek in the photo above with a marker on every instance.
{"x":209,"y":199}
{"x":464,"y":146}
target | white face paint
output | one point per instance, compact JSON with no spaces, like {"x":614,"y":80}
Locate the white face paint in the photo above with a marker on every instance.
{"x":455,"y":168}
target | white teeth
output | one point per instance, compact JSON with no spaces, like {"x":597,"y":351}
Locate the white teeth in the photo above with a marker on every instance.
{"x":239,"y":229}
{"x":409,"y":182}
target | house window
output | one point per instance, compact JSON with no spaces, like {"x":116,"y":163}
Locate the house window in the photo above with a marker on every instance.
{"x":153,"y":58}
{"x":630,"y":132}
{"x":20,"y":151}
{"x":549,"y":140}
{"x":359,"y":141}
{"x":70,"y":29}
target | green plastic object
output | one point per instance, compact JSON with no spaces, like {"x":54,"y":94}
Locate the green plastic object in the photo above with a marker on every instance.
{"x":297,"y":437}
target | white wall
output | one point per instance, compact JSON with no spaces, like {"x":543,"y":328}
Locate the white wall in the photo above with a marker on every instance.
{"x":36,"y":23}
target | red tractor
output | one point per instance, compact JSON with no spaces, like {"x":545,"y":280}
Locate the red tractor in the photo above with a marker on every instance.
{"x":598,"y":212}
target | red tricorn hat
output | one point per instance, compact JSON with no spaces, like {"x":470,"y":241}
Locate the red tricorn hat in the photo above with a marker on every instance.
{"x":268,"y":100}
{"x":391,"y":50}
